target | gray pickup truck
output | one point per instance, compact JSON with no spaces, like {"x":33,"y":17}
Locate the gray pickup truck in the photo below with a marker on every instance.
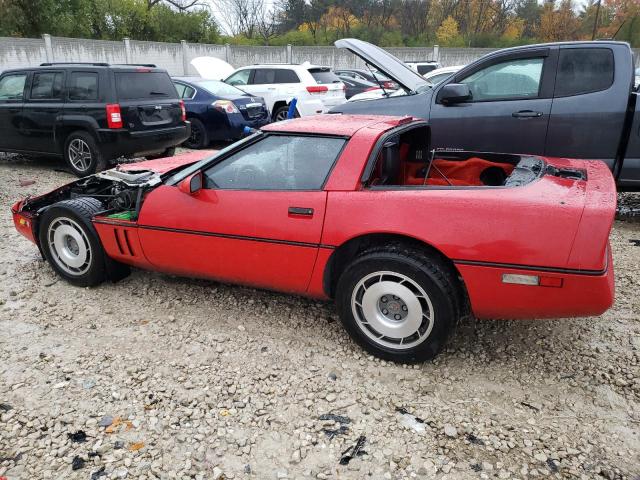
{"x":573,"y":100}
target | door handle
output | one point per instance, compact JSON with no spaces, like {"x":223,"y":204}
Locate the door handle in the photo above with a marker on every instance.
{"x":526,"y":114}
{"x":305,"y":212}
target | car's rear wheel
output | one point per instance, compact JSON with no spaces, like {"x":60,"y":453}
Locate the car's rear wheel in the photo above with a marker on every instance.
{"x":82,"y":155}
{"x":70,"y":242}
{"x":199,"y":137}
{"x":398,"y":303}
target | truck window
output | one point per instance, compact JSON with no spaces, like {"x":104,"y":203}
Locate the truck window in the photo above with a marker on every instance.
{"x":239,"y":78}
{"x":584,"y":70}
{"x":83,"y":86}
{"x":144,"y":85}
{"x":286,"y":76}
{"x":509,"y":80}
{"x":46,"y":85}
{"x":264,"y":76}
{"x":277,"y":162}
{"x":12,"y":87}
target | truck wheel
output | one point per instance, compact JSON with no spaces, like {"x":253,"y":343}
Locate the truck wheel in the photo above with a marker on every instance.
{"x":70,"y":242}
{"x":398,"y":303}
{"x":82,"y":154}
{"x":282,"y":112}
{"x":199,"y":137}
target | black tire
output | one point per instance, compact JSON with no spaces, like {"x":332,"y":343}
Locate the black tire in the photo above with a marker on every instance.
{"x":169,"y":152}
{"x":76,"y":215}
{"x":414,"y":270}
{"x":92,"y":160}
{"x":199,"y":136}
{"x":281,"y":114}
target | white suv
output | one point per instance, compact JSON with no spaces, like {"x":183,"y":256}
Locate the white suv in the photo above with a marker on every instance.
{"x":423,"y":67}
{"x":316,"y":89}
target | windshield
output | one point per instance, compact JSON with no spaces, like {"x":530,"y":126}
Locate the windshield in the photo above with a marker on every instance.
{"x":174,"y":177}
{"x":219,"y":88}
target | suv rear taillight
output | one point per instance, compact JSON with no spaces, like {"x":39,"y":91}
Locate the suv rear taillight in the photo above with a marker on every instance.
{"x":183,"y":114}
{"x":318,"y":89}
{"x":114,"y":117}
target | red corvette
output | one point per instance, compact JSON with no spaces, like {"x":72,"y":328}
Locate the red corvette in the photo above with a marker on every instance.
{"x":356,"y":209}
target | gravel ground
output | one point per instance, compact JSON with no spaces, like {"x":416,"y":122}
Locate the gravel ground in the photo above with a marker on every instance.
{"x":165,"y":377}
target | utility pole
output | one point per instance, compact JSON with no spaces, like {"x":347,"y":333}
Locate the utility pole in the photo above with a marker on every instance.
{"x":595,"y":23}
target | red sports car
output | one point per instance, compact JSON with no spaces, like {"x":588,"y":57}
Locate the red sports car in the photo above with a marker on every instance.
{"x":356,"y":209}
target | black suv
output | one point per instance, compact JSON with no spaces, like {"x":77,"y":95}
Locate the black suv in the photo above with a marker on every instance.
{"x":90,"y":113}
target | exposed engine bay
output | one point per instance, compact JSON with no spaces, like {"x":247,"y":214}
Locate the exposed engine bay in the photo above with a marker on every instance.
{"x":120,"y":192}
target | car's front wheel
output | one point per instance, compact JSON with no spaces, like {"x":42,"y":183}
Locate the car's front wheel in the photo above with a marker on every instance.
{"x":70,"y":242}
{"x":82,"y":155}
{"x":398,"y":303}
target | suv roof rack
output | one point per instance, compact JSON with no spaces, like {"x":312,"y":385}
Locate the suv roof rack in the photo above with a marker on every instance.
{"x":99,"y":64}
{"x":95,"y":64}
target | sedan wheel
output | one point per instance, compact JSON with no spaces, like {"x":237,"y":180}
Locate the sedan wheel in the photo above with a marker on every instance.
{"x":398,"y":302}
{"x":69,"y":246}
{"x":392,"y":310}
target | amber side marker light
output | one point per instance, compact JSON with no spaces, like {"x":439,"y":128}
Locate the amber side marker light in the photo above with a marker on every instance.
{"x":532,"y":280}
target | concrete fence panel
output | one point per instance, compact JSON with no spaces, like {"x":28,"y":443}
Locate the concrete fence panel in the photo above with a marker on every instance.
{"x":83,"y":50}
{"x":165,"y":55}
{"x":241,"y":56}
{"x":21,"y":52}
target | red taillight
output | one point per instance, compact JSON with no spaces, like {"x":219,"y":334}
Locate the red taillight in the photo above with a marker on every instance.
{"x":114,"y":117}
{"x":183,"y":115}
{"x":318,"y":89}
{"x":389,"y":85}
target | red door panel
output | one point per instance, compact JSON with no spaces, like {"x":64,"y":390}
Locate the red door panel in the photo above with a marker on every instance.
{"x":239,"y":236}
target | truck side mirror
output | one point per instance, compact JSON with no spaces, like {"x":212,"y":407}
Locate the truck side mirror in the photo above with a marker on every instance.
{"x":192,"y":184}
{"x":453,"y":93}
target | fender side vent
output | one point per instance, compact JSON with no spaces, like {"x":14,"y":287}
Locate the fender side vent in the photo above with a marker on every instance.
{"x":122,"y":241}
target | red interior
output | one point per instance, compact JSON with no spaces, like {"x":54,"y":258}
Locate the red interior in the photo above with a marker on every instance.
{"x":458,"y":172}
{"x":462,"y":173}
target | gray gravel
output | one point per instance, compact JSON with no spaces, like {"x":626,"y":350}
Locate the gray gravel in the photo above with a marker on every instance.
{"x":177,"y":378}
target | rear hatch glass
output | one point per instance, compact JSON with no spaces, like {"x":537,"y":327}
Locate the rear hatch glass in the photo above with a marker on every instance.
{"x":325,"y":76}
{"x":148,"y":100}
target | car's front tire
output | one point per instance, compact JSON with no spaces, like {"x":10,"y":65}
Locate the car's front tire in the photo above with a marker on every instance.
{"x":71,"y":244}
{"x":398,"y":303}
{"x":82,"y":154}
{"x":199,"y":137}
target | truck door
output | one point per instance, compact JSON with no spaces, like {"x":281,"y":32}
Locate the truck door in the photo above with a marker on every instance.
{"x":589,"y":104}
{"x":509,"y":109}
{"x":42,"y":109}
{"x":12,"y":88}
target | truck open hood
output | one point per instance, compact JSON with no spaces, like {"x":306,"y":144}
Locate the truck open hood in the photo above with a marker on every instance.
{"x":391,"y":66}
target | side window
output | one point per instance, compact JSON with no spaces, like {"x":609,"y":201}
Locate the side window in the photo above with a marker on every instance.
{"x":83,"y":86}
{"x":286,"y":76}
{"x":584,"y":70}
{"x":277,"y":162}
{"x":12,"y":87}
{"x":239,"y":78}
{"x":46,"y":85}
{"x":264,"y":76}
{"x":180,"y":89}
{"x":188,"y":92}
{"x":510,"y":80}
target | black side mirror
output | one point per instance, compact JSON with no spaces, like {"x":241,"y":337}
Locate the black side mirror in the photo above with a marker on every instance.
{"x":453,"y":93}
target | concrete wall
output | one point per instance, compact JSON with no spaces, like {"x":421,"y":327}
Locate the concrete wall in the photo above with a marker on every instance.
{"x":175,"y":57}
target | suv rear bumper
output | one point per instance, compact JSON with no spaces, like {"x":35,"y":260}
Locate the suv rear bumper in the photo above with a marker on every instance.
{"x":116,"y":143}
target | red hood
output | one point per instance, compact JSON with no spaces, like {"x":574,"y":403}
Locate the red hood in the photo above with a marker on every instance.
{"x":164,"y":165}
